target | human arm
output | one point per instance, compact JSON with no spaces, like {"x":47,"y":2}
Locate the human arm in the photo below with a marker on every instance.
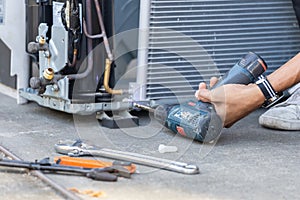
{"x":287,"y":75}
{"x":235,"y":101}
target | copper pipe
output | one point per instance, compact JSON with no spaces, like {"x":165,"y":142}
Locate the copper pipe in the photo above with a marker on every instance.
{"x":90,"y":61}
{"x":109,"y":54}
{"x":74,"y":61}
{"x":87,"y":26}
{"x":88,"y":35}
{"x":101,"y":24}
{"x":106,"y":79}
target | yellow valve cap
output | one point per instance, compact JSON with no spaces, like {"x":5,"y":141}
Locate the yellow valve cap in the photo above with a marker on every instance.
{"x":48,"y":74}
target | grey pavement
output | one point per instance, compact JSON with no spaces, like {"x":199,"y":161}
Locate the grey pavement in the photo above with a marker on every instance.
{"x":247,"y":162}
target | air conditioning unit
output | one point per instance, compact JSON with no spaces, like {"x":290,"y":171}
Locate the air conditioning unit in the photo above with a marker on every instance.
{"x":98,"y":56}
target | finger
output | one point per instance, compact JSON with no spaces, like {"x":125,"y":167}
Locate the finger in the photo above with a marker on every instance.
{"x":199,"y":97}
{"x":202,"y":86}
{"x":204,"y":95}
{"x":204,"y":100}
{"x":213,"y":81}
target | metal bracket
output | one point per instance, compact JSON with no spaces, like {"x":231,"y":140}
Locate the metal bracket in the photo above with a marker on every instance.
{"x":121,"y":119}
{"x":68,"y":107}
{"x":58,"y":47}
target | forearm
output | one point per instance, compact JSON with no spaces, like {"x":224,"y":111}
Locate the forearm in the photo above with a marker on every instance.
{"x":233,"y":101}
{"x":287,"y":75}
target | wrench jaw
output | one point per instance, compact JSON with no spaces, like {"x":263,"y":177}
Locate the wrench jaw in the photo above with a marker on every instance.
{"x":66,"y":149}
{"x":70,"y":150}
{"x":73,"y":149}
{"x":77,"y":153}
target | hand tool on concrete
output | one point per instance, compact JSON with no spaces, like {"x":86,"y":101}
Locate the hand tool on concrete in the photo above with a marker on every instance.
{"x":79,"y":148}
{"x":88,"y":163}
{"x":199,"y":120}
{"x":38,"y":174}
{"x":100,"y":174}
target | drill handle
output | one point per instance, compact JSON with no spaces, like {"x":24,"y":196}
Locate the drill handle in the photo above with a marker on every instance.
{"x":245,"y":71}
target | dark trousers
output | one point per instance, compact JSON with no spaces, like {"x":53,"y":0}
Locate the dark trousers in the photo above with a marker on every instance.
{"x":296,"y":4}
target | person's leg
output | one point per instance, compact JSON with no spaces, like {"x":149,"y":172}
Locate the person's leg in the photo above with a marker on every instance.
{"x":286,"y":115}
{"x":296,"y":5}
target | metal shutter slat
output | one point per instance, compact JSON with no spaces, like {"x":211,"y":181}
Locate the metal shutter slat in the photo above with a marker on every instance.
{"x":181,"y":31}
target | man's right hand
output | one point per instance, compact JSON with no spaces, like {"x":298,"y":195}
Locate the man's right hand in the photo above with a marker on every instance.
{"x":233,"y":101}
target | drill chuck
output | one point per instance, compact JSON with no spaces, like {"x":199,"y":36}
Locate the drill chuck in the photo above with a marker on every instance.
{"x":161,"y":113}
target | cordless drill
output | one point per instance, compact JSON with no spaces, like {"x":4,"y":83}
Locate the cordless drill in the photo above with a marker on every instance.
{"x":198,"y":120}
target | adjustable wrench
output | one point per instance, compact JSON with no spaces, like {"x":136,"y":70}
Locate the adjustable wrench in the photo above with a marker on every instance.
{"x":79,"y":148}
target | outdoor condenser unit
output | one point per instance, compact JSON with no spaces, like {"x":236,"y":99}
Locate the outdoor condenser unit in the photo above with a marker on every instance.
{"x":172,"y":46}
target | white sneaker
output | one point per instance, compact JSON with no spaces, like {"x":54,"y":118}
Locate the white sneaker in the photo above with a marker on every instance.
{"x":284,"y":116}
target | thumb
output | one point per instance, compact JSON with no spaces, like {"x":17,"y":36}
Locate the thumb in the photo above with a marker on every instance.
{"x":202,"y":86}
{"x":213,"y":81}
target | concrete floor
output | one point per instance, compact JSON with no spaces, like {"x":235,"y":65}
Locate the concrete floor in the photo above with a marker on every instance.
{"x":247,"y":162}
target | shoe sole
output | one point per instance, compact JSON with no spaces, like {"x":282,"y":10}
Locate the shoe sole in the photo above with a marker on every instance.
{"x":277,"y":123}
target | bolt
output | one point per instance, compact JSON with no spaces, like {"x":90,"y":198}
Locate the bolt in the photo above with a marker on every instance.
{"x":47,"y":54}
{"x":55,"y":88}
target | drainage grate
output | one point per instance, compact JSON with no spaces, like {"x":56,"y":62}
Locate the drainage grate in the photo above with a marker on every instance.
{"x":181,"y":31}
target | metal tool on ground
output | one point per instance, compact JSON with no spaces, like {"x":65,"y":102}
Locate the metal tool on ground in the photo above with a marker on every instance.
{"x":79,"y":148}
{"x":199,"y":120}
{"x":56,"y":186}
{"x":88,"y":163}
{"x":100,"y":174}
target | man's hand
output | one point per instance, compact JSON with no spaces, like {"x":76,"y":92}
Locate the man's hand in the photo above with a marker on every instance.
{"x":232,"y":101}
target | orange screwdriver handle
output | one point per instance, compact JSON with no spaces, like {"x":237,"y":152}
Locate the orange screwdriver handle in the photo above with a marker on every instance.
{"x":87,"y":163}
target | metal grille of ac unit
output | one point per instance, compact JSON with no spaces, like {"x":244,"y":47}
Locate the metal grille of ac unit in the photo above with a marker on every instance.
{"x":225,"y":29}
